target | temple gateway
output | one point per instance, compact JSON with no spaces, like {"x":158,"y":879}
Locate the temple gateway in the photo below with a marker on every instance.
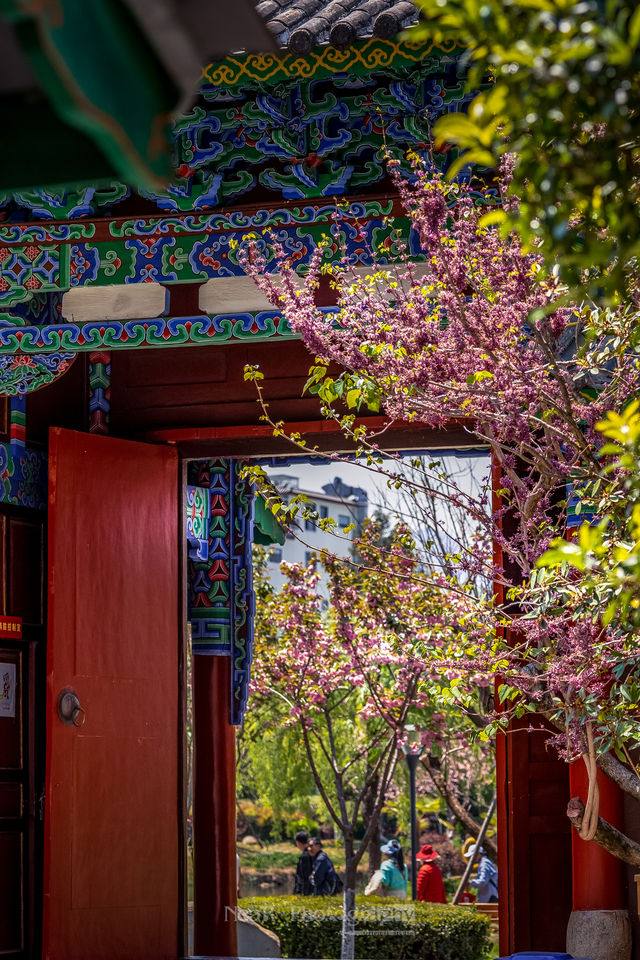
{"x":126,"y":320}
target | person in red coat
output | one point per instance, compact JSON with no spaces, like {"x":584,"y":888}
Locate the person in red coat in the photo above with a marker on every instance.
{"x":430,"y":882}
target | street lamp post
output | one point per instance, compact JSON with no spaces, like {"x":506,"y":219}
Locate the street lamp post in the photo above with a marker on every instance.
{"x":412,"y":750}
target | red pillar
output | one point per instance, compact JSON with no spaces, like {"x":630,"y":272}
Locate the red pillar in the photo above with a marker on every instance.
{"x":214,"y":809}
{"x":505,"y":874}
{"x":598,"y":881}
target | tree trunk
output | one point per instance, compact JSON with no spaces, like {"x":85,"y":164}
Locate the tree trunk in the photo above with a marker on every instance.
{"x":375,"y":857}
{"x":368,"y":815}
{"x":347,"y":951}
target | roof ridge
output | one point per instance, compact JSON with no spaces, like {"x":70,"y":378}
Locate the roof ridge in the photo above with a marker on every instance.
{"x":300,"y":25}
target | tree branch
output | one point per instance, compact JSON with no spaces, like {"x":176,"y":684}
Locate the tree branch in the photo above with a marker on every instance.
{"x":607,"y":762}
{"x":621,"y":776}
{"x":606,"y":836}
{"x":456,"y":807}
{"x":392,"y":759}
{"x":318,"y":781}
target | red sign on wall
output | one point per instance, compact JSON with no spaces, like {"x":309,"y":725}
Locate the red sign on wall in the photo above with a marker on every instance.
{"x":11,"y":627}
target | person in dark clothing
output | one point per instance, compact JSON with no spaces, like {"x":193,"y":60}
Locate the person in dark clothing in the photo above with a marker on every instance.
{"x":302,"y":882}
{"x":324,"y":879}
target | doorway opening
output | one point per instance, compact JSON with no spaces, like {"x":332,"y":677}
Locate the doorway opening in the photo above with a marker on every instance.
{"x":276,"y":792}
{"x":351,"y":519}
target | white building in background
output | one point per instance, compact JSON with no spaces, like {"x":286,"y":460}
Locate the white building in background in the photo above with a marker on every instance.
{"x":345,"y":504}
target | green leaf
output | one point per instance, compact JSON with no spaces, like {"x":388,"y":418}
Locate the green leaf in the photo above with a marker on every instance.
{"x":634,"y":28}
{"x":562,"y":552}
{"x":493,"y":217}
{"x":478,"y":377}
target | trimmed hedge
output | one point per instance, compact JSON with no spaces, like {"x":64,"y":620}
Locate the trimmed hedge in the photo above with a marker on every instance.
{"x":386,"y":929}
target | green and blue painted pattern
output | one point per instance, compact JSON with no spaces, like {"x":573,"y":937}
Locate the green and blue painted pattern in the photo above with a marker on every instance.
{"x":303,"y":133}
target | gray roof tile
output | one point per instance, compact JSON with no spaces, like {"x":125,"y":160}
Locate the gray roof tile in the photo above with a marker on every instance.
{"x":300,"y":25}
{"x":391,"y":21}
{"x":267,"y":8}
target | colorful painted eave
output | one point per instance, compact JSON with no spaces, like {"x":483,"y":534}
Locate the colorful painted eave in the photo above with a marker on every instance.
{"x":152,"y":332}
{"x":308,"y":144}
{"x":42,"y":261}
{"x":249,"y":217}
{"x":361,"y":58}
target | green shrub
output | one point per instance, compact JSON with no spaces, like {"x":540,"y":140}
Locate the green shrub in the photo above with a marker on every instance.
{"x":385,"y":929}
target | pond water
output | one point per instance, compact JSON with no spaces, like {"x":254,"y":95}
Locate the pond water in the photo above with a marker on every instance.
{"x":253,"y":887}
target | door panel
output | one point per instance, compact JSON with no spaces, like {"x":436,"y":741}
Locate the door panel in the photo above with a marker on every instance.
{"x":11,"y":918}
{"x":534,"y":872}
{"x":112,"y":814}
{"x":13,"y":819}
{"x":21,"y":751}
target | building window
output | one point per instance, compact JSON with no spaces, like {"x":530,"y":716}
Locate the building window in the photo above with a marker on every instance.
{"x":275,"y":555}
{"x":344,"y":520}
{"x":308,"y":557}
{"x":324,"y":512}
{"x":308,"y":523}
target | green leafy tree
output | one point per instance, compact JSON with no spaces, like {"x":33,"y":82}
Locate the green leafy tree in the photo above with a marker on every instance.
{"x":561,"y":85}
{"x":271,"y":763}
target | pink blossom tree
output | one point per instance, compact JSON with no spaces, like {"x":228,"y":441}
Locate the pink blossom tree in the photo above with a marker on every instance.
{"x":487,"y":339}
{"x":350,"y":677}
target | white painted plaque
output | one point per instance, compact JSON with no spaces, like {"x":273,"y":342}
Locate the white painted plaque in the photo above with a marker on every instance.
{"x":7,"y":689}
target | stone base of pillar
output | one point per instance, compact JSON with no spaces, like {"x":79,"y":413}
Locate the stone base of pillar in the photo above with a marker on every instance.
{"x":254,"y":940}
{"x":599,"y":934}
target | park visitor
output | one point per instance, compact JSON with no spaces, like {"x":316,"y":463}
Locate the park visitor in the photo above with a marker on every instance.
{"x":324,"y":879}
{"x":486,"y":879}
{"x":430,"y":882}
{"x":393,"y":871}
{"x":302,"y":883}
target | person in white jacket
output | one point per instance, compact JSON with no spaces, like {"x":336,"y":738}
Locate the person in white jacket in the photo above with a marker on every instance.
{"x":486,"y":879}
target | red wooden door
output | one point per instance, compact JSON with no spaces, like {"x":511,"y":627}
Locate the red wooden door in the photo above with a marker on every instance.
{"x":534,"y":841}
{"x":112,"y":810}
